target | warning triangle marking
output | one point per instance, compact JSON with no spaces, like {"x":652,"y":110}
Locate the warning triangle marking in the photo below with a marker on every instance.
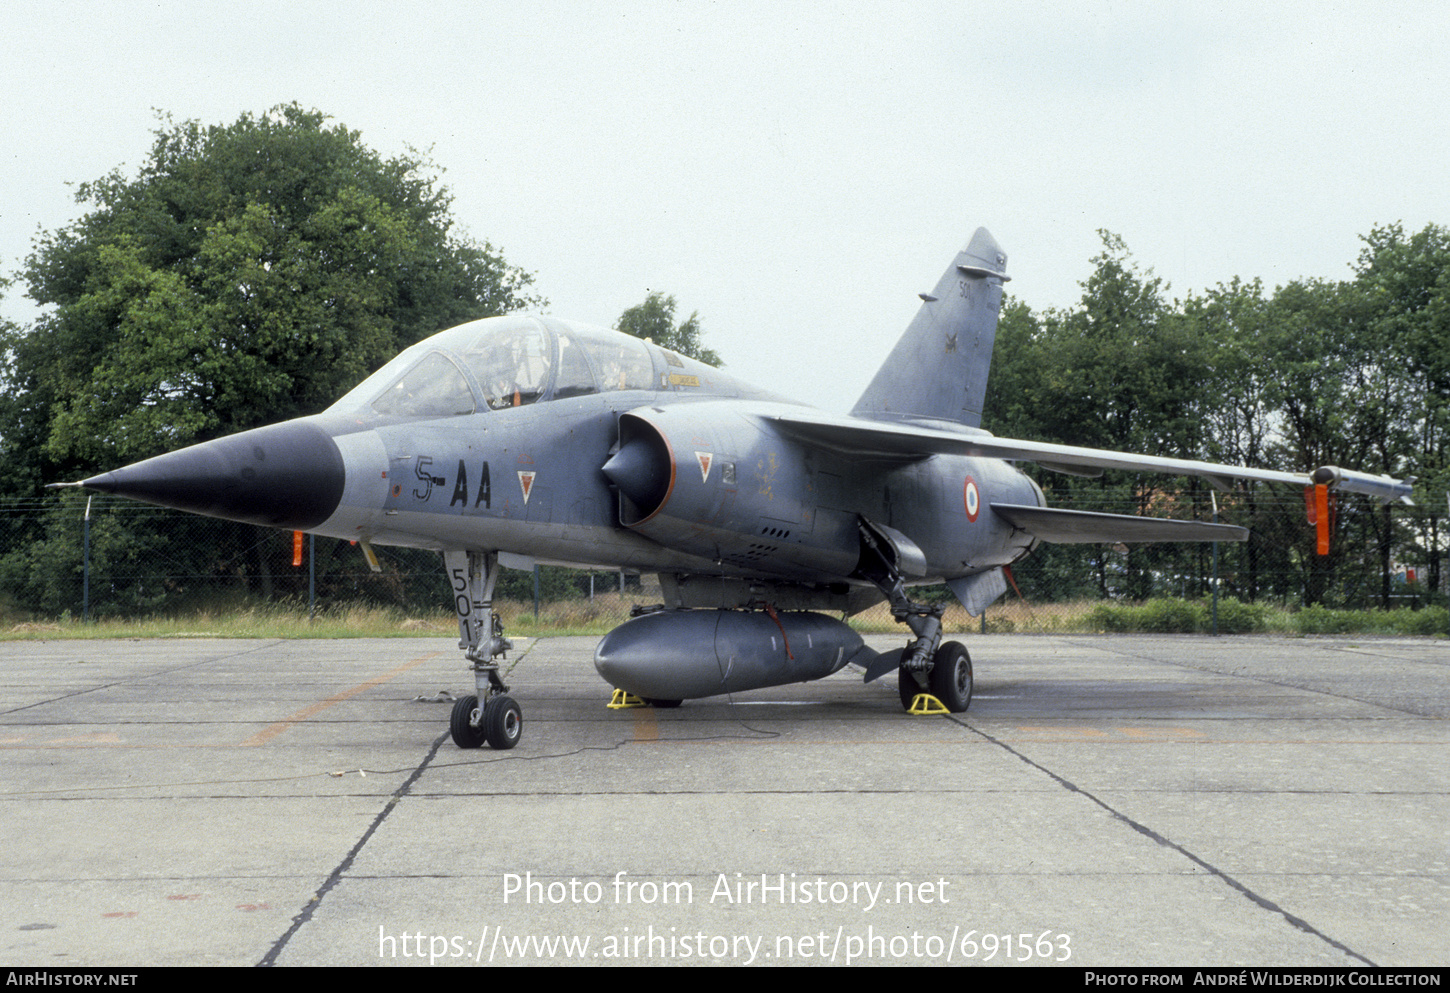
{"x":705,"y":459}
{"x":526,"y":483}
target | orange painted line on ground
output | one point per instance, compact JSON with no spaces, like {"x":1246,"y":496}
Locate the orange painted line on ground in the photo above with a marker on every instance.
{"x":273,"y":730}
{"x":646,"y":726}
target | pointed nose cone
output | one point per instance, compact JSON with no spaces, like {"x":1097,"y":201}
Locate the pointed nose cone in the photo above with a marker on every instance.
{"x":288,"y":475}
{"x":641,"y":470}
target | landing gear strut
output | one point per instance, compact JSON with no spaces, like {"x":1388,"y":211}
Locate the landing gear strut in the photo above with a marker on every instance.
{"x":491,"y":715}
{"x":927,"y":665}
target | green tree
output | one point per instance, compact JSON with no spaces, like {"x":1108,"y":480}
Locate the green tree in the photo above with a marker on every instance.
{"x":1120,"y":371}
{"x":1125,"y":372}
{"x":1334,"y":388}
{"x":655,"y":320}
{"x":248,"y":273}
{"x":1234,"y":323}
{"x":1405,"y":279}
{"x":1009,"y":408}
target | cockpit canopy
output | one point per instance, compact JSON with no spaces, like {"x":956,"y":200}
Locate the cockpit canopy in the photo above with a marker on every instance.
{"x":513,"y":361}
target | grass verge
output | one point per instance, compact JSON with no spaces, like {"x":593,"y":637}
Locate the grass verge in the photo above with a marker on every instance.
{"x":597,"y":617}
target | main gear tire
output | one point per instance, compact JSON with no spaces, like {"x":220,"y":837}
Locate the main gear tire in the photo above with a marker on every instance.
{"x":951,"y":676}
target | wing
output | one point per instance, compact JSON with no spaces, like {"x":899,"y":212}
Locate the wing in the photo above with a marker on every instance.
{"x":855,"y":436}
{"x":1082,"y":527}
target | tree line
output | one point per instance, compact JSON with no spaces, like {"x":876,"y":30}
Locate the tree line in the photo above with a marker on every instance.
{"x":1352,"y":372}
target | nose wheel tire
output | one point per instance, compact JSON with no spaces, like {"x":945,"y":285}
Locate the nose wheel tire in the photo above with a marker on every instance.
{"x":503,"y":722}
{"x":460,"y":724}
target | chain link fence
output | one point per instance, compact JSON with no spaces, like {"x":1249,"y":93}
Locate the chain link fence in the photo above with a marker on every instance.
{"x":102,"y":557}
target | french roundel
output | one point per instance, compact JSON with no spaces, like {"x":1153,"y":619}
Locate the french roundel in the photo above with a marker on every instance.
{"x":971,"y":499}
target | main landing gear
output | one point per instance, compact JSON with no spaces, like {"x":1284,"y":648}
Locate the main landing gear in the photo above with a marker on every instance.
{"x":927,"y":664}
{"x":491,"y":715}
{"x":949,"y":678}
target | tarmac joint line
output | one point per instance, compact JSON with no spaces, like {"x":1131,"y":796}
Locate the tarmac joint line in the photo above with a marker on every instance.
{"x":305,"y":915}
{"x":1149,"y":833}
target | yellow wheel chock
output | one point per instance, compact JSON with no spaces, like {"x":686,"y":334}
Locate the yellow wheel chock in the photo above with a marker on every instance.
{"x":925,"y":703}
{"x":623,"y":701}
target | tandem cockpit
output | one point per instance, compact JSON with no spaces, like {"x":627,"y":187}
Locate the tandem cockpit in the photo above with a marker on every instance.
{"x":504,"y":362}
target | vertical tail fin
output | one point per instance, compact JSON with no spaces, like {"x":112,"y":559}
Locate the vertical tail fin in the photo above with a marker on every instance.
{"x":939,"y":367}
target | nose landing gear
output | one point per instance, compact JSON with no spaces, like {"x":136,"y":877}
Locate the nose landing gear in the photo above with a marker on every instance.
{"x":499,"y":722}
{"x":490,"y":716}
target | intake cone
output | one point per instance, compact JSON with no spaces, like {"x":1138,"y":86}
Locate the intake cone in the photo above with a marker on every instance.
{"x":641,"y":470}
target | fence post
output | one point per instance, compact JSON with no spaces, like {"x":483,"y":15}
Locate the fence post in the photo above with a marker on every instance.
{"x":311,"y":578}
{"x":86,"y":568}
{"x":1214,"y":498}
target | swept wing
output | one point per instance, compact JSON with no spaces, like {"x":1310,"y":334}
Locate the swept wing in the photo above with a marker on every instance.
{"x":864,"y":438}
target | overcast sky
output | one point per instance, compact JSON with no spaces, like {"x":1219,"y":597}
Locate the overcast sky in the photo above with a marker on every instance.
{"x":795,"y":171}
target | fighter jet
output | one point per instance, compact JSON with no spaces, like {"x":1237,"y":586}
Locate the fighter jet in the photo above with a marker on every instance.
{"x":526,"y":439}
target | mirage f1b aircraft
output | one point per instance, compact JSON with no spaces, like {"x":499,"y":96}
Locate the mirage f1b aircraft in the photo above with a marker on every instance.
{"x":520,"y":440}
